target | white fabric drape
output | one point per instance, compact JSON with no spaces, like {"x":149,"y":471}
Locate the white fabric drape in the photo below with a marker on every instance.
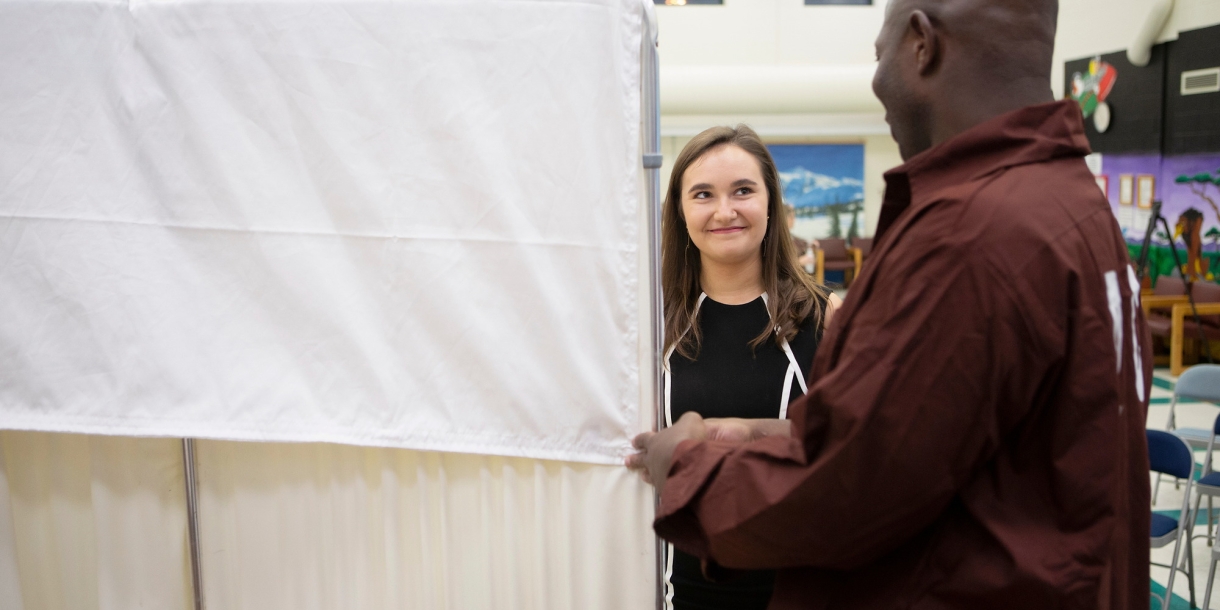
{"x":406,"y":223}
{"x":94,"y":522}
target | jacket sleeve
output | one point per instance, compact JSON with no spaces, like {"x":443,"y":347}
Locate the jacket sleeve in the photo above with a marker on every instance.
{"x":928,"y":373}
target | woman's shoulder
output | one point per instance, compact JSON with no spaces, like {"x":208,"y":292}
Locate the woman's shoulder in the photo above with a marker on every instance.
{"x":825,"y":303}
{"x":831,"y":305}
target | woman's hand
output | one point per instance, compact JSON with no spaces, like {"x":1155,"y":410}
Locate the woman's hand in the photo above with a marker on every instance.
{"x":738,"y":430}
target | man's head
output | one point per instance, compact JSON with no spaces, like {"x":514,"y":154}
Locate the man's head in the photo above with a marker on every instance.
{"x":947,"y":65}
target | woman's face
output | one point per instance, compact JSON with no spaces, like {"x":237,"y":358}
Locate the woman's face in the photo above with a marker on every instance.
{"x":724,"y":200}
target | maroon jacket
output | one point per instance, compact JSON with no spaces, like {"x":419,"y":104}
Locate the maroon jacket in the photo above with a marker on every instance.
{"x":974,"y":432}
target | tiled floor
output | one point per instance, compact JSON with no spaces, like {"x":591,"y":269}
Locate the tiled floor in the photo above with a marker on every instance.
{"x":1190,"y":414}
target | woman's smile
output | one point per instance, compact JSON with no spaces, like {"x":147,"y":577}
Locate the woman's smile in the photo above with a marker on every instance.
{"x":724,"y":202}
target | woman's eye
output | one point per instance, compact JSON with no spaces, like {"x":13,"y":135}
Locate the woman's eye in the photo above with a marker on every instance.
{"x":745,"y":190}
{"x":702,"y":195}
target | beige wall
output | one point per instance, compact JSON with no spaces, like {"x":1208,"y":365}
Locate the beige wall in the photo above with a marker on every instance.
{"x":750,"y":32}
{"x":880,"y":155}
{"x":785,"y":32}
{"x":759,"y":46}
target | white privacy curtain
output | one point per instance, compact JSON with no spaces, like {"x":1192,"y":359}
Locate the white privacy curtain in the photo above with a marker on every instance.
{"x":406,"y":223}
{"x":99,"y":523}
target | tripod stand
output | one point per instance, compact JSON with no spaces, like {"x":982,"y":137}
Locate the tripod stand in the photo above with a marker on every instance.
{"x":1141,"y":269}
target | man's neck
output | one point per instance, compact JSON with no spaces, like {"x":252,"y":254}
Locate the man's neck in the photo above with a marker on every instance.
{"x":732,"y":283}
{"x":969,"y":111}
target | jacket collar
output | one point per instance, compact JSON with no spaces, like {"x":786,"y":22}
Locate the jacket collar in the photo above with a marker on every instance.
{"x":1029,"y":135}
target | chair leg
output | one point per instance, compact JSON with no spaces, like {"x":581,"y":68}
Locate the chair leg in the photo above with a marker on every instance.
{"x":1211,"y":575}
{"x":1193,"y":517}
{"x":1190,"y":567}
{"x":1210,"y":541}
{"x":1173,"y":569}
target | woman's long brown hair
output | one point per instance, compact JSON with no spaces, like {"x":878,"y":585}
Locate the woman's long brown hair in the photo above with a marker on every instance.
{"x":793,"y":296}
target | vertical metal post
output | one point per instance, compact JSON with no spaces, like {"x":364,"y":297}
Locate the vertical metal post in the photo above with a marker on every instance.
{"x":192,"y":518}
{"x":651,"y":117}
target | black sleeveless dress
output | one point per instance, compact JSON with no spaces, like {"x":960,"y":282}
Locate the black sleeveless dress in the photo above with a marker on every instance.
{"x":728,"y":378}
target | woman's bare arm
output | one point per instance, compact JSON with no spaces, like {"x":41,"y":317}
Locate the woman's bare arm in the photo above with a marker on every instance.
{"x":833,"y":303}
{"x":739,"y":430}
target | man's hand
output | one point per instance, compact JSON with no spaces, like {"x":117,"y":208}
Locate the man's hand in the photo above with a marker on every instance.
{"x":656,"y":449}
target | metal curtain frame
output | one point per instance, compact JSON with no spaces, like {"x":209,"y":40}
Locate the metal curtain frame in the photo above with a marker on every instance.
{"x":192,"y":518}
{"x":650,"y":94}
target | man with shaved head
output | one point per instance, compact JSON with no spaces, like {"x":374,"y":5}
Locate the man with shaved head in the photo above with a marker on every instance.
{"x":973,"y":436}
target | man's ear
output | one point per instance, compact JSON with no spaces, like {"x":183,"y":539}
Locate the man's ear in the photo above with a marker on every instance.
{"x":926,"y":42}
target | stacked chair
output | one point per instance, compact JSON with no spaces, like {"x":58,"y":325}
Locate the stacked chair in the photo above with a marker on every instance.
{"x":1208,"y":485}
{"x":1201,"y":382}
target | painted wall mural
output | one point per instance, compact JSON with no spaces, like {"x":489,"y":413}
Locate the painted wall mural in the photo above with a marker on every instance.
{"x":1189,"y":189}
{"x":825,"y":183}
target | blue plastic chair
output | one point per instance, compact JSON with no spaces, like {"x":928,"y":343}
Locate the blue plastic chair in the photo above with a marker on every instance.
{"x":1169,"y":454}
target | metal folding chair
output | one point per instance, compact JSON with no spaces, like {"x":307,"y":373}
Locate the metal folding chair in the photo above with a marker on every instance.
{"x":1199,"y":382}
{"x":1209,"y":483}
{"x":1169,"y":454}
{"x":1211,"y":574}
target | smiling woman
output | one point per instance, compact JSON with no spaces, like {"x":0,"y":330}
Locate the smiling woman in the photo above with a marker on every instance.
{"x":742,"y":319}
{"x":717,"y":238}
{"x":725,"y":206}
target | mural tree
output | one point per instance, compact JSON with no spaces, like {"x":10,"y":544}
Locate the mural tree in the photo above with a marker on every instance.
{"x":1198,"y":185}
{"x":1213,"y":234}
{"x":853,"y":231}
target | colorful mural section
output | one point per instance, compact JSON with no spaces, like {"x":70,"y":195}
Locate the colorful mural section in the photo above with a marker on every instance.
{"x":1188,"y":187}
{"x":825,"y":183}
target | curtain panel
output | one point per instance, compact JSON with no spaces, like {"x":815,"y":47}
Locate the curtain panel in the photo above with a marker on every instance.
{"x":99,"y":523}
{"x":399,"y":223}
